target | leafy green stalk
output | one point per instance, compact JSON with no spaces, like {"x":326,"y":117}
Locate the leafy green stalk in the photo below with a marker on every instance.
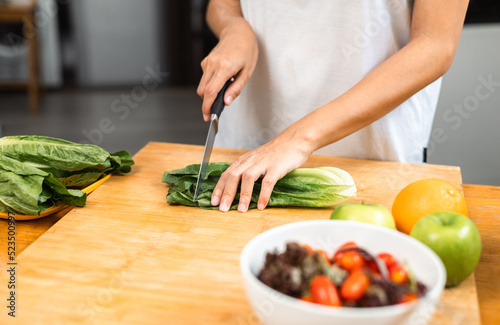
{"x":27,"y":190}
{"x":72,"y":164}
{"x":308,"y":187}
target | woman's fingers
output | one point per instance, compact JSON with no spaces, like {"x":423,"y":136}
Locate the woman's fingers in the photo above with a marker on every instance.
{"x":235,"y":55}
{"x":235,"y":88}
{"x":205,"y":78}
{"x":268,"y":183}
{"x":227,"y":187}
{"x":216,"y":72}
{"x":211,"y":90}
{"x":247,"y":184}
{"x":217,"y":193}
{"x":219,"y":188}
{"x":271,"y":161}
{"x":230,"y":184}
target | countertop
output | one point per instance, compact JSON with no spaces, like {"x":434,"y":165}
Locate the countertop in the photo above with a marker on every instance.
{"x":483,"y":203}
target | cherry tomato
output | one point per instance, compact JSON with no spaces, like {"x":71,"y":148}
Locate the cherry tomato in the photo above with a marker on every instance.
{"x":355,"y":286}
{"x":323,"y":291}
{"x":338,"y":255}
{"x":388,"y":259}
{"x":351,"y":260}
{"x":324,"y":254}
{"x":310,"y":251}
{"x":398,"y":274}
{"x":408,"y":296}
{"x":372,"y":265}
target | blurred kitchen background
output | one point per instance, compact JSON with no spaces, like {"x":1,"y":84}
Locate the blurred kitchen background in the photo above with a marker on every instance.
{"x":121,"y":73}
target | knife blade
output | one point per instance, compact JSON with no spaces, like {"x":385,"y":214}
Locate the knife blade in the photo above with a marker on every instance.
{"x":216,"y":111}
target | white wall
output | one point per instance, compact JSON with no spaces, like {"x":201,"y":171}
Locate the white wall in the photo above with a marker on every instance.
{"x":466,"y":129}
{"x":115,"y":40}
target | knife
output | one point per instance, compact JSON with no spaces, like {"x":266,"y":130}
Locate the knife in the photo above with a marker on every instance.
{"x":217,"y":108}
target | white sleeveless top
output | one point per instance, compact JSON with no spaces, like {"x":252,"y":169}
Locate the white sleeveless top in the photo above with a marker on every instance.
{"x":312,"y":51}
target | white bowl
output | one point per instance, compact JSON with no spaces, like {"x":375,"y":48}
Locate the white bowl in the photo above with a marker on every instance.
{"x":275,"y":308}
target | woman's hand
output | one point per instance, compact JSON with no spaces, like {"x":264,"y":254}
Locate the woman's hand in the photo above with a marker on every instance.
{"x":234,"y":56}
{"x":271,"y":161}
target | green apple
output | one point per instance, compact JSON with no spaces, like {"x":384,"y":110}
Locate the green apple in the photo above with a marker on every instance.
{"x":376,"y":214}
{"x":455,"y":239}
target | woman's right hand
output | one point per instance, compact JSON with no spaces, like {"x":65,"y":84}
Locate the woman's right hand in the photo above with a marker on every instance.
{"x":234,"y":56}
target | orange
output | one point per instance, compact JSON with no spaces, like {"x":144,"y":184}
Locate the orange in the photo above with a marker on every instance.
{"x":424,"y":197}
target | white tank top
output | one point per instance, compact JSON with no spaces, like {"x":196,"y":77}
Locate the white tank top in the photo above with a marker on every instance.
{"x":311,"y":52}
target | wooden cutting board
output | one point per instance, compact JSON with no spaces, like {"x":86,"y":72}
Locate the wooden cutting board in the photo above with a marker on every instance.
{"x":130,"y":258}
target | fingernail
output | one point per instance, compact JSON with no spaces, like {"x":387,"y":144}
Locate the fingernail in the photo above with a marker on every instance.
{"x":224,"y":207}
{"x":229,"y":100}
{"x":215,"y":200}
{"x":242,"y":207}
{"x":261,"y":206}
{"x":206,"y":117}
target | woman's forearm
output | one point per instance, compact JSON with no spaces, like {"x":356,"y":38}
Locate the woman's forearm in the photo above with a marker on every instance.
{"x":381,"y":91}
{"x":221,"y":14}
{"x":426,"y":57}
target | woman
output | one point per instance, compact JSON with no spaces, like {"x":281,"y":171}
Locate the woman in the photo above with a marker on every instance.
{"x":345,"y":78}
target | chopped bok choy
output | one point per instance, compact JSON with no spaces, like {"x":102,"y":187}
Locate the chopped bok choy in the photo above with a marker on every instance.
{"x":306,"y":187}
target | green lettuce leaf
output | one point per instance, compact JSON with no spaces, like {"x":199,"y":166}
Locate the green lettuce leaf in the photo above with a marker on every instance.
{"x":28,"y":190}
{"x":72,"y":164}
{"x":306,"y":187}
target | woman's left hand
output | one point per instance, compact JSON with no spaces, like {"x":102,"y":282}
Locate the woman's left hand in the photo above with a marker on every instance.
{"x":271,"y":161}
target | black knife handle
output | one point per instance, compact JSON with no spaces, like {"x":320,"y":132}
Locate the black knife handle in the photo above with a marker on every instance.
{"x":218,"y":105}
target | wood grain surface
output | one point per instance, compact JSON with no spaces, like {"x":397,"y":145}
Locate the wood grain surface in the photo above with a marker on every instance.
{"x":484,"y":209}
{"x":130,"y":258}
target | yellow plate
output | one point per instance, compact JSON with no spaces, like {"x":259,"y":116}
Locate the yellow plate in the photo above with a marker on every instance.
{"x":89,"y":189}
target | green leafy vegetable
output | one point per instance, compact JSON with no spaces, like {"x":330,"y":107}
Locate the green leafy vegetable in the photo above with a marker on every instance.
{"x":72,"y":164}
{"x":309,"y":187}
{"x":25,"y":189}
{"x":37,"y":172}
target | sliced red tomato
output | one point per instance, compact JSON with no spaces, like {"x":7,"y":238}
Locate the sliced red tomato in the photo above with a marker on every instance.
{"x":372,"y":265}
{"x":388,"y":259}
{"x":323,"y":291}
{"x":398,"y":274}
{"x":351,"y":260}
{"x":355,"y":286}
{"x":338,"y":254}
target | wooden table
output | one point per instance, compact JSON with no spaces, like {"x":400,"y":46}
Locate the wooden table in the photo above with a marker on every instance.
{"x":483,"y":202}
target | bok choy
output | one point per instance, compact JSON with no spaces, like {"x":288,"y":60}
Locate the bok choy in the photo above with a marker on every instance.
{"x":306,"y":187}
{"x":72,"y":164}
{"x":28,"y":190}
{"x":38,"y":172}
